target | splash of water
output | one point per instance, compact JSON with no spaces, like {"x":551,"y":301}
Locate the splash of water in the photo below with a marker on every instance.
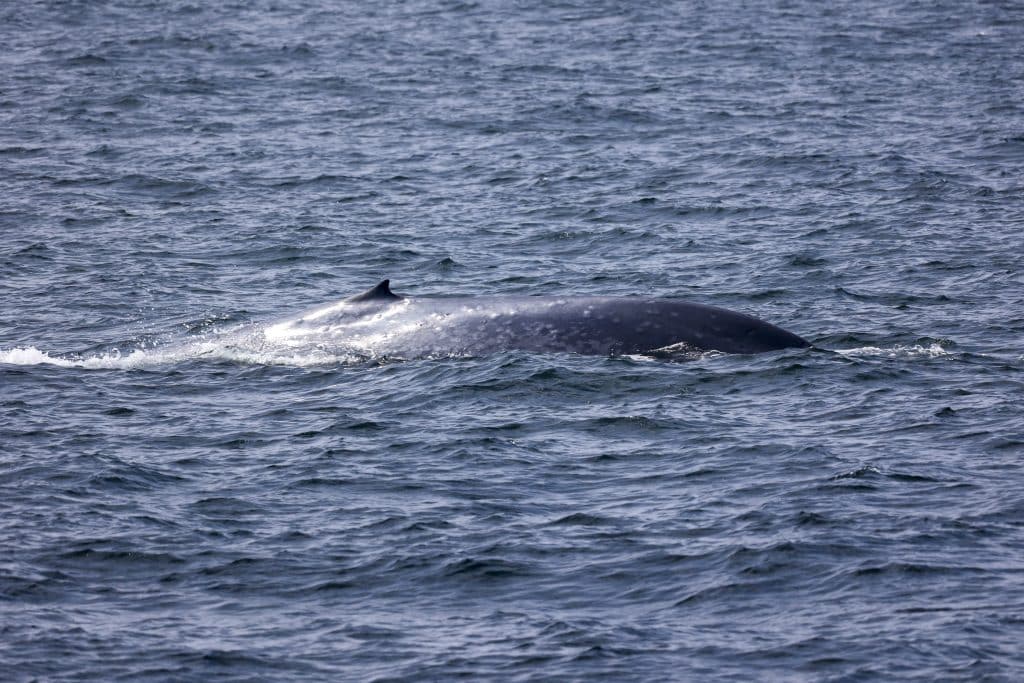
{"x":250,"y":348}
{"x":934,"y":350}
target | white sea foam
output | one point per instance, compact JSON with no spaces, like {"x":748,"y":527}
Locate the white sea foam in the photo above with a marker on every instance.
{"x":897,"y":351}
{"x":250,"y":351}
{"x":30,"y":355}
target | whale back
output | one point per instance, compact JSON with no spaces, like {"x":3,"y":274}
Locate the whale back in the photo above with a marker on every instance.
{"x":589,"y":325}
{"x":381,"y":323}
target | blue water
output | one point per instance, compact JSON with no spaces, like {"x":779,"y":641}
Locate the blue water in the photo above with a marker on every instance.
{"x":177,"y":507}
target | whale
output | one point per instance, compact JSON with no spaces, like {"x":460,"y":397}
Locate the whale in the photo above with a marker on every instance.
{"x":380,"y":323}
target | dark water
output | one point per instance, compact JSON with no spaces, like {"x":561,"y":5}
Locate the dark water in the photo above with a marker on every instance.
{"x":173,"y":507}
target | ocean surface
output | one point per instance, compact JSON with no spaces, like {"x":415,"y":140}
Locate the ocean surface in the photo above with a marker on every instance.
{"x":175,"y":506}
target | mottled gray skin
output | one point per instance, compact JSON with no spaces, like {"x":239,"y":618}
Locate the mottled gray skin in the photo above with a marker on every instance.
{"x":387,"y":324}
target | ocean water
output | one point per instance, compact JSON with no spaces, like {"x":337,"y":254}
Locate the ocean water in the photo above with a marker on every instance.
{"x":175,"y":506}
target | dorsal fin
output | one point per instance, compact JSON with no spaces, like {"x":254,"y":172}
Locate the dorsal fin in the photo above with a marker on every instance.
{"x":382,"y":292}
